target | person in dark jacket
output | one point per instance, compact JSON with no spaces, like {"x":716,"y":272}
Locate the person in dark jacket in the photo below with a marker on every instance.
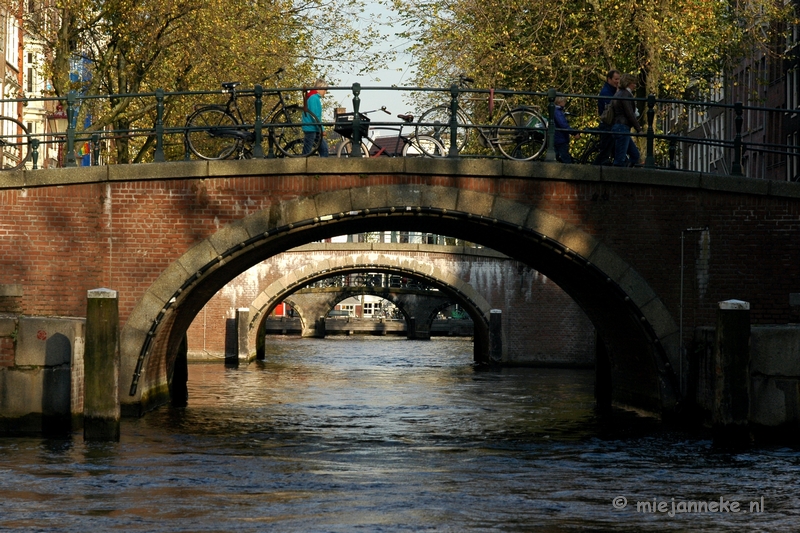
{"x":563,"y":131}
{"x":625,"y":151}
{"x":606,"y":140}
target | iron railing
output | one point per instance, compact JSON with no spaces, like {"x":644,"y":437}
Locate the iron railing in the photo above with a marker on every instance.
{"x":672,"y":129}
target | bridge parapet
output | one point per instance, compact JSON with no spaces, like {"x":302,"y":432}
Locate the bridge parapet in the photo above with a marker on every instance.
{"x":661,"y":138}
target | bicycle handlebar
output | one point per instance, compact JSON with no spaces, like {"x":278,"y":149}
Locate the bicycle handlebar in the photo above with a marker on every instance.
{"x":276,"y":74}
{"x":383,"y":108}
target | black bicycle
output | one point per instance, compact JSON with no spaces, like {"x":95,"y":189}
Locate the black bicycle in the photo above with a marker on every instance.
{"x":520,"y":133}
{"x":215,"y":131}
{"x":14,"y":144}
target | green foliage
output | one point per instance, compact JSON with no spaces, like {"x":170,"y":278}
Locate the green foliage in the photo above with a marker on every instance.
{"x":570,"y":44}
{"x":136,"y":46}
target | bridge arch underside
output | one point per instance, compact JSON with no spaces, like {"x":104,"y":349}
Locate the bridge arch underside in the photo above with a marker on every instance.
{"x":633,"y":325}
{"x":451,"y":290}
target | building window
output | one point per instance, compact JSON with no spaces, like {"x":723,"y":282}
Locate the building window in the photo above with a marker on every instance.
{"x":793,"y":88}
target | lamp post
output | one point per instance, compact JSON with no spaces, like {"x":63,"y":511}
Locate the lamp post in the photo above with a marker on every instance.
{"x":58,"y":127}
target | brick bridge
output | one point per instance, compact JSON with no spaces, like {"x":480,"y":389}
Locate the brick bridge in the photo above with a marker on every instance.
{"x":169,"y":236}
{"x":541,"y":324}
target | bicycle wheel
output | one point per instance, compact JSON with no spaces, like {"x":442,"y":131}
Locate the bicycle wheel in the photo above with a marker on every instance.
{"x":287,"y":129}
{"x":590,"y":151}
{"x":521,"y":134}
{"x":346,"y":149}
{"x":423,"y":146}
{"x":15,"y":144}
{"x":212,"y":133}
{"x":435,"y":122}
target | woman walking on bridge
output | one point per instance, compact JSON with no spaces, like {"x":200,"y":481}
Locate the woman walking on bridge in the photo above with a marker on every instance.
{"x":312,"y":107}
{"x":625,"y":151}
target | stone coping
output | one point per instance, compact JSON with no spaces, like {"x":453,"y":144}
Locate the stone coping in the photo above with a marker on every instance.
{"x":457,"y":167}
{"x":396,"y":247}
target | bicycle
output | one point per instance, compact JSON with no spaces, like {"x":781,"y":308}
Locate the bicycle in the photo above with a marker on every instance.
{"x":520,"y":133}
{"x":590,"y":155}
{"x":14,"y":144}
{"x":394,"y":146}
{"x":215,"y":131}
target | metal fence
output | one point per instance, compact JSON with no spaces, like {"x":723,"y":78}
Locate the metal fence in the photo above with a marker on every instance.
{"x":688,"y":135}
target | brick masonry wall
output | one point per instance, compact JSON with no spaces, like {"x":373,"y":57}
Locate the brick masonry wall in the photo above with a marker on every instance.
{"x":60,"y":241}
{"x":6,"y":351}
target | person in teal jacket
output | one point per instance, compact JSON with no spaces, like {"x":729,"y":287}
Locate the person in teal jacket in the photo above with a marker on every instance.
{"x":312,"y":103}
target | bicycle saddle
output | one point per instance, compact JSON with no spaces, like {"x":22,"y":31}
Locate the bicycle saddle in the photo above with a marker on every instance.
{"x":406,"y":118}
{"x":228,"y":85}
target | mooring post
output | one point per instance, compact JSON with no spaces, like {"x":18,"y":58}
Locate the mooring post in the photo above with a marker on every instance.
{"x":495,"y":335}
{"x":732,"y":374}
{"x":101,"y":411}
{"x":242,"y":322}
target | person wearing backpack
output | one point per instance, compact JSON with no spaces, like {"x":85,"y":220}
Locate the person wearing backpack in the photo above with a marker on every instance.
{"x":606,"y":140}
{"x":625,"y":151}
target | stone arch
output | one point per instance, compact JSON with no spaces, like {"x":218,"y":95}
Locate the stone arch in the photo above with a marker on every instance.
{"x":636,"y":328}
{"x":459,"y":290}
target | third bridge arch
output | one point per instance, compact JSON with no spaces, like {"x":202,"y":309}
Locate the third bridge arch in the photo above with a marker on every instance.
{"x":453,"y":289}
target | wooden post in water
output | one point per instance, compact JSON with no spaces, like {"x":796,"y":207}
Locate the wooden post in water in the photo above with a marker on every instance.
{"x":242,"y":322}
{"x":101,"y":411}
{"x":731,"y":412}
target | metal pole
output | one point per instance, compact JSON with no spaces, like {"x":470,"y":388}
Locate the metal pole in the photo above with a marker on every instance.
{"x":453,"y":152}
{"x":158,"y":156}
{"x":650,"y":160}
{"x":550,"y":154}
{"x":70,"y":157}
{"x":736,"y":167}
{"x":258,"y":150}
{"x":35,"y":152}
{"x":356,"y":120}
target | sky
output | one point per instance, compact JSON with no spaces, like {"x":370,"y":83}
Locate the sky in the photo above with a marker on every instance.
{"x":397,"y":72}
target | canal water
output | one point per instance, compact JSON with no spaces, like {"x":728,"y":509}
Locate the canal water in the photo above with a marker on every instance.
{"x":369,"y":434}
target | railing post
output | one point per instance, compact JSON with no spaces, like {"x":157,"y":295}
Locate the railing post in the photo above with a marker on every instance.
{"x":673,"y":151}
{"x":650,"y":160}
{"x":96,"y":149}
{"x":258,"y":150}
{"x":356,"y":120}
{"x":736,"y":167}
{"x":70,"y":155}
{"x":158,"y":156}
{"x":271,"y":143}
{"x":550,"y":154}
{"x":453,"y":152}
{"x":35,"y":152}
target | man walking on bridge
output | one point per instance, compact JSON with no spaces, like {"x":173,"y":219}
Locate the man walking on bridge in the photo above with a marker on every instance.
{"x":606,"y":140}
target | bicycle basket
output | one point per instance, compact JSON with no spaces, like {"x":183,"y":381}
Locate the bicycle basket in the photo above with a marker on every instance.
{"x":344,"y":124}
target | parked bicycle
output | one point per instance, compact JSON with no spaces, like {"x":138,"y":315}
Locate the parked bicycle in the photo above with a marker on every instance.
{"x":215,"y":131}
{"x":14,"y":144}
{"x":520,"y":133}
{"x":398,"y":145}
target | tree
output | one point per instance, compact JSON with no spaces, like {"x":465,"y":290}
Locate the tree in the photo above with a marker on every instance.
{"x":570,"y":44}
{"x":128,"y":46}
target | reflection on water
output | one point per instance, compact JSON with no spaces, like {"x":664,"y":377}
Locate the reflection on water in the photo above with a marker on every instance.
{"x":366,"y":434}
